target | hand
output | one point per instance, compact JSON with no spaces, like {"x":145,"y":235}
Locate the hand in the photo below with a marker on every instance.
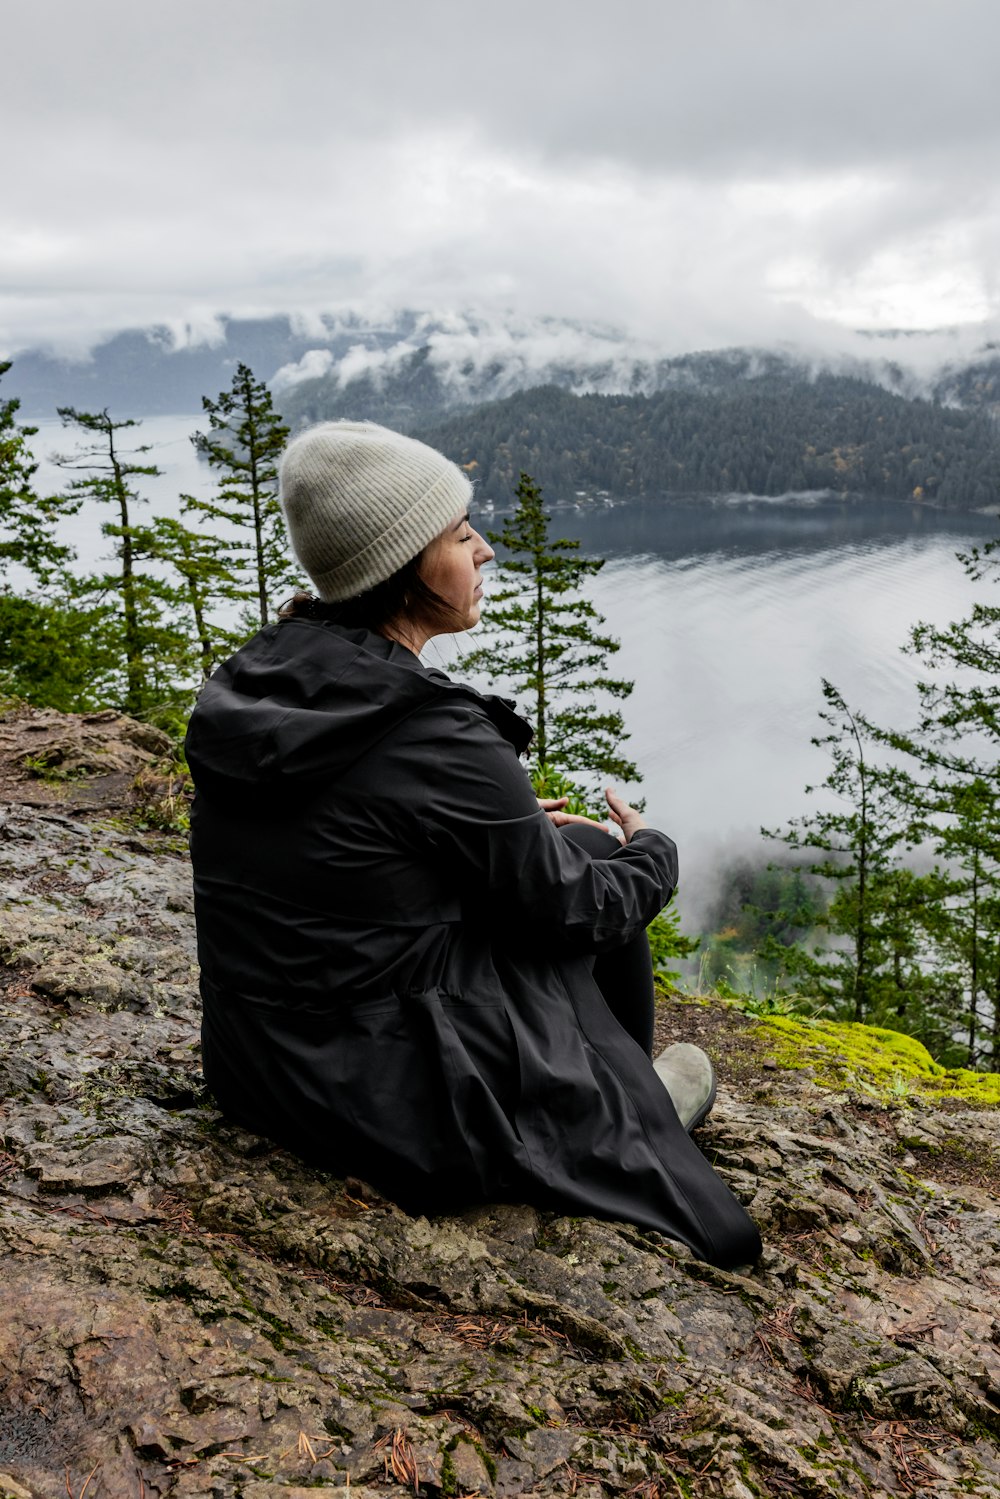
{"x":552,"y":807}
{"x":626,"y":817}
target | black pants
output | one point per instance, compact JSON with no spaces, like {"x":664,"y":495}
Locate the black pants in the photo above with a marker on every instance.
{"x":625,"y":976}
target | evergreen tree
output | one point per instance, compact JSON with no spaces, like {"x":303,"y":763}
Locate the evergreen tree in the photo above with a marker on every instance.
{"x":56,"y":652}
{"x":51,"y":645}
{"x":964,"y":921}
{"x":758,"y":913}
{"x":545,"y":641}
{"x":857,"y":844}
{"x":922,"y":950}
{"x":150,"y":647}
{"x":205,"y":578}
{"x":243,"y":445}
{"x":667,"y":943}
{"x":955,"y":752}
{"x":27,"y":520}
{"x":962,"y":709}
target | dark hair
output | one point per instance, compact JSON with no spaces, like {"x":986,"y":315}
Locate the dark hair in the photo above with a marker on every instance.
{"x":377,"y":607}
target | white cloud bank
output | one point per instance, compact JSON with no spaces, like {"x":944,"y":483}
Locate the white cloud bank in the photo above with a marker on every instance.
{"x":697,"y":176}
{"x":478,"y":358}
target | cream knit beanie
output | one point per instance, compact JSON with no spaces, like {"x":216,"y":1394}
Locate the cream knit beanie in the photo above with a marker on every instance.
{"x":362,"y":501}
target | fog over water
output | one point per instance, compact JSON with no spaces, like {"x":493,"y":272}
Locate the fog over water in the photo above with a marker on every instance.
{"x":729,"y":615}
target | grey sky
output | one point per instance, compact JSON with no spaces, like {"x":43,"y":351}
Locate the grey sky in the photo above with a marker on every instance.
{"x":698,"y":173}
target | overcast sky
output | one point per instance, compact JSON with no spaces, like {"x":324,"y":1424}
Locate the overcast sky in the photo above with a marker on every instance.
{"x":697,"y":172}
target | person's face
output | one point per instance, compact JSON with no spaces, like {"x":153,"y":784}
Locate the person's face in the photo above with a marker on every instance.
{"x":451,"y":568}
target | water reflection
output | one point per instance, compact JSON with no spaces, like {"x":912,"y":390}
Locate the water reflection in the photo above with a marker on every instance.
{"x":673,"y":531}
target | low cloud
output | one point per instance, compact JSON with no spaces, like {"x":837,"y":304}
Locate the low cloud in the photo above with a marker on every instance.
{"x":696,"y":176}
{"x":475,"y":355}
{"x":313,"y":364}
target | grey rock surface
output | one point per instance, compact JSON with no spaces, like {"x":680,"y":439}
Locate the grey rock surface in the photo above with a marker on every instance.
{"x":188,"y":1311}
{"x":74,"y":761}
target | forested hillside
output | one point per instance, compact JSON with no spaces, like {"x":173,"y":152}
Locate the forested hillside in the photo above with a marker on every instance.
{"x":972,"y":385}
{"x":580,"y":408}
{"x":767,"y":435}
{"x":416,"y":387}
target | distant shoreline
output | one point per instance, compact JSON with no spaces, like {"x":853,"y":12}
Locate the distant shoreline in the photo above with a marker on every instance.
{"x":734,"y":500}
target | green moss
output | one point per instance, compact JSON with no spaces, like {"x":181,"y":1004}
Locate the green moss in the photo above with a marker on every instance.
{"x":885,"y":1064}
{"x":679,"y":997}
{"x":972,"y":1155}
{"x":330,"y":1327}
{"x":488,"y":1461}
{"x":274,"y":1329}
{"x":449,"y":1482}
{"x":673,"y":1397}
{"x":42,"y":769}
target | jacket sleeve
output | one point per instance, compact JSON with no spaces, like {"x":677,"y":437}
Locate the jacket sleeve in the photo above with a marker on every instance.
{"x":480,"y":815}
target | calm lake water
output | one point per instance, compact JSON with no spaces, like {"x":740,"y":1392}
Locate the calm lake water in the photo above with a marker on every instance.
{"x":729,"y":614}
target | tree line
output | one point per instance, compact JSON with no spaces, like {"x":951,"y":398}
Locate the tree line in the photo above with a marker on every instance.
{"x":771,"y":435}
{"x":177,"y":594}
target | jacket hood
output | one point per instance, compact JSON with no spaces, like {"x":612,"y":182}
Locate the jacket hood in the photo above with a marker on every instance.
{"x":309,"y":698}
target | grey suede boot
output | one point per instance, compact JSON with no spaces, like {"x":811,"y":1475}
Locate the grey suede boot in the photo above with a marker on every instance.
{"x":689,"y":1077}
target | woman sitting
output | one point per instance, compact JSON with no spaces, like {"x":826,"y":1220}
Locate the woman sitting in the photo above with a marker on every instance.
{"x":411,"y":971}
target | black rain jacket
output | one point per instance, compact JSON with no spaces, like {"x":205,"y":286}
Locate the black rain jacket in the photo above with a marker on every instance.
{"x":396,"y":947}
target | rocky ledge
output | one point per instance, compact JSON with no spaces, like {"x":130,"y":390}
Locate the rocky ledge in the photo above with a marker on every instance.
{"x":187,"y":1311}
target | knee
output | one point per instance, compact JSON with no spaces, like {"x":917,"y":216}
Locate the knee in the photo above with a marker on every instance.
{"x":597,"y":843}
